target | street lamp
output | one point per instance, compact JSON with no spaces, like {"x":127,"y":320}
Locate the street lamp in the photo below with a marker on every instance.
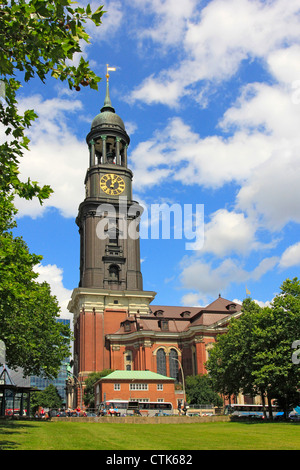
{"x":69,"y":373}
{"x":184,"y":396}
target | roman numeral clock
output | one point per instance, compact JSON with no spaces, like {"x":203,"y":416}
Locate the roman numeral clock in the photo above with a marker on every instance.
{"x":112,"y":184}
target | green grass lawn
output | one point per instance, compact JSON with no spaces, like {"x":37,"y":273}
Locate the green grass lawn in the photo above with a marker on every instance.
{"x":32,"y":435}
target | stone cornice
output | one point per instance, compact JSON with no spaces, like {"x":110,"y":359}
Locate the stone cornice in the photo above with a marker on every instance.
{"x":100,"y":299}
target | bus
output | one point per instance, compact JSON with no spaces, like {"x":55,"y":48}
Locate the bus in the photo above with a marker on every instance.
{"x":255,"y":411}
{"x":142,"y":408}
{"x":14,"y":412}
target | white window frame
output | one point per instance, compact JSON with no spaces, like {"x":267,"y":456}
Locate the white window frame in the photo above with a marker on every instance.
{"x":117,"y":387}
{"x":138,"y":386}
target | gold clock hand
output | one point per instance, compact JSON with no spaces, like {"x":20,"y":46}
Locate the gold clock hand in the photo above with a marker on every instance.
{"x":113,"y":179}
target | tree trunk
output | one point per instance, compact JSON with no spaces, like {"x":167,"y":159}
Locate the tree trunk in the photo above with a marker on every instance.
{"x":270,"y":408}
{"x":263,"y":404}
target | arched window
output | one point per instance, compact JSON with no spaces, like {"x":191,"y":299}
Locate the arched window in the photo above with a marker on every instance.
{"x":173,"y":358}
{"x":161,"y":365}
{"x":128,"y":360}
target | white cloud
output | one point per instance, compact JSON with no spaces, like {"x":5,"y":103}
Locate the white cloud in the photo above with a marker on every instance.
{"x":217,"y":40}
{"x":130,"y":127}
{"x":284,"y":64}
{"x":209,"y":279}
{"x":266,"y":265}
{"x":53,"y":275}
{"x":162,"y":90}
{"x":170,"y":17}
{"x":263,"y":304}
{"x":254,"y":111}
{"x":291,"y":256}
{"x":56,"y":156}
{"x":229,"y":232}
{"x":179,"y":152}
{"x":191,"y":299}
{"x":273,"y":191}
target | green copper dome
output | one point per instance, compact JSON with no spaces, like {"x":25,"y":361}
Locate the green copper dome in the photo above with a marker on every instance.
{"x":108,"y":115}
{"x":107,"y":118}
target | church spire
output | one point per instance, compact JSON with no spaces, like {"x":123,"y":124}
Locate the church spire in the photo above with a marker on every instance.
{"x":107,"y":101}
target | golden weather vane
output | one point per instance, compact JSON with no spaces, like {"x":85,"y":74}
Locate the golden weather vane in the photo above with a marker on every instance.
{"x":109,"y":69}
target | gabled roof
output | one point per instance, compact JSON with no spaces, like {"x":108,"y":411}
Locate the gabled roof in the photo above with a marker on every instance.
{"x":221,"y":304}
{"x":135,"y":375}
{"x":218,"y":310}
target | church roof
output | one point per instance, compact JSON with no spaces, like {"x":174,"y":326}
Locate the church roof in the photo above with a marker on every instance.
{"x":221,"y":304}
{"x":218,"y":306}
{"x":180,"y":319}
{"x":174,"y":311}
{"x":107,"y":118}
{"x":218,"y":310}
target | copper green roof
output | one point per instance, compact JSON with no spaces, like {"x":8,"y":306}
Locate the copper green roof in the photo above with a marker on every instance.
{"x":107,"y":116}
{"x":135,"y":375}
{"x":107,"y":102}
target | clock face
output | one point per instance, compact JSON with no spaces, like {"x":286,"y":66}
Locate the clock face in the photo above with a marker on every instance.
{"x":112,"y":184}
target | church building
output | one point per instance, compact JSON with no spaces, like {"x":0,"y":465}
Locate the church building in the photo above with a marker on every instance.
{"x":117,"y":324}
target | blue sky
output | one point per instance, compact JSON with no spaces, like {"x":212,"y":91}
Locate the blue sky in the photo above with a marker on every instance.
{"x":210,"y":95}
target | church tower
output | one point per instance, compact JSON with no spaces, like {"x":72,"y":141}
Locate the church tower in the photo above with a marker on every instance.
{"x":110,"y":285}
{"x":109,"y":255}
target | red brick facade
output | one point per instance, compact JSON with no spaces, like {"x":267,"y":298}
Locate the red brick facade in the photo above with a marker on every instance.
{"x":90,"y":344}
{"x":157,"y":341}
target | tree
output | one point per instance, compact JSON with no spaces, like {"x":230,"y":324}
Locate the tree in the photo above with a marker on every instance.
{"x":230,"y":361}
{"x":47,"y":398}
{"x":254,"y":356}
{"x":33,"y":338}
{"x":37,"y":39}
{"x":279,"y":326}
{"x":89,"y":393}
{"x":199,"y":391}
